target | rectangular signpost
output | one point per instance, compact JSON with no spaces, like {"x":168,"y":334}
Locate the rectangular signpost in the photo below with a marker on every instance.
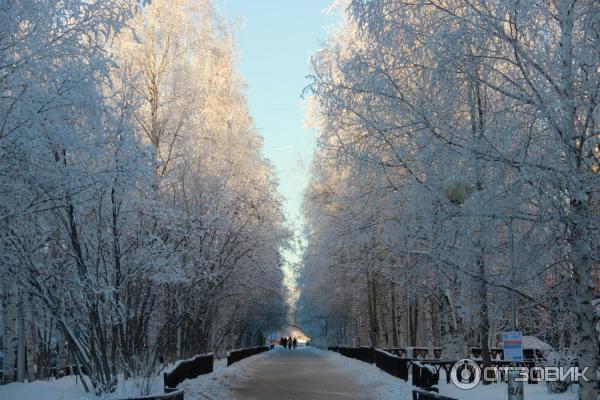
{"x":513,"y":351}
{"x":513,"y":345}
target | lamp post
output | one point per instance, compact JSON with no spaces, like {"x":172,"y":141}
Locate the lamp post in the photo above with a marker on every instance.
{"x":515,"y":388}
{"x":513,"y":319}
{"x":457,"y":191}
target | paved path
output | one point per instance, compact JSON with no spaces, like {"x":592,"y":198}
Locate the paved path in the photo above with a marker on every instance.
{"x":298,"y":374}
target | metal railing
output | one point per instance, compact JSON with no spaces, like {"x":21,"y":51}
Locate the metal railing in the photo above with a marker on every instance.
{"x":188,"y":369}
{"x":417,"y":352}
{"x":423,"y":376}
{"x":237,"y":355}
{"x":171,"y":394}
{"x":392,"y":364}
{"x":418,"y":394}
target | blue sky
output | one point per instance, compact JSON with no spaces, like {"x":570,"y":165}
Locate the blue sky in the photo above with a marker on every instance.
{"x":275,"y":40}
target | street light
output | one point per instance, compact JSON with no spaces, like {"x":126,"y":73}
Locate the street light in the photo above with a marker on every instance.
{"x":457,"y":191}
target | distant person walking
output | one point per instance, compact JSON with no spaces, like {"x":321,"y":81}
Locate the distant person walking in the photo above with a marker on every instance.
{"x":283,"y":342}
{"x":289,"y":342}
{"x":295,"y":343}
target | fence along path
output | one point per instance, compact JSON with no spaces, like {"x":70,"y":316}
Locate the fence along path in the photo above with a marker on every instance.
{"x":191,"y":368}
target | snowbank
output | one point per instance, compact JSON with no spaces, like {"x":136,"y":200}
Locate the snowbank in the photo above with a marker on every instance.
{"x":59,"y":389}
{"x":499,"y":391}
{"x":219,"y":385}
{"x":387,"y":387}
{"x":383,"y":385}
{"x":70,"y":388}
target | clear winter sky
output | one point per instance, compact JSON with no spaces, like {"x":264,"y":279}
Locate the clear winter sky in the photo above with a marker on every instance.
{"x":275,"y":39}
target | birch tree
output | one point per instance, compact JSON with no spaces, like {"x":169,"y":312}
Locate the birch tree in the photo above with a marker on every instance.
{"x":461,"y":108}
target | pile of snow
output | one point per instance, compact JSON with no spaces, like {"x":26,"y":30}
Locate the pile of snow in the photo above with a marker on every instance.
{"x":70,"y":388}
{"x":220,"y":384}
{"x":59,"y":389}
{"x":383,"y":385}
{"x":210,"y":386}
{"x":387,"y":387}
{"x":499,"y":391}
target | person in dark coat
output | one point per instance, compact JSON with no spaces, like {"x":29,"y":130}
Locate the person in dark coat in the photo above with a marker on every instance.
{"x":295,"y":343}
{"x":283,"y":342}
{"x":289,"y":342}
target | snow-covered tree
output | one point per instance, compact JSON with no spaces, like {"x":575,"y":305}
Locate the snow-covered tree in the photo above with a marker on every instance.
{"x":138,"y":218}
{"x":464,"y":136}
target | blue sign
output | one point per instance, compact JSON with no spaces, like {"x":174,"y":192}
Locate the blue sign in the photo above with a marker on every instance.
{"x":513,"y":345}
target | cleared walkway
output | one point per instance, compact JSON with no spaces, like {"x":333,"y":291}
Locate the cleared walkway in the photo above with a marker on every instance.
{"x":298,"y":374}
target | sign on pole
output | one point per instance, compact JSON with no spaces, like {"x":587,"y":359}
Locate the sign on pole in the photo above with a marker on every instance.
{"x":513,"y":345}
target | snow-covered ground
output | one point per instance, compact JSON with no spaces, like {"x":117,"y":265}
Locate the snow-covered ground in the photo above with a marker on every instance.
{"x":210,"y":386}
{"x":70,"y":388}
{"x":385,"y":386}
{"x":219,"y":385}
{"x":60,"y":389}
{"x":382,"y":384}
{"x":499,"y":391}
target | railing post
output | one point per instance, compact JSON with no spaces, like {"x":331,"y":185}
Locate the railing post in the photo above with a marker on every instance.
{"x":515,"y":388}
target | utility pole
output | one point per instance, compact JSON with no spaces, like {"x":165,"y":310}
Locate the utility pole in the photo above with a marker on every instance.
{"x":408,"y":319}
{"x":21,"y":344}
{"x":515,"y":388}
{"x":513,"y":320}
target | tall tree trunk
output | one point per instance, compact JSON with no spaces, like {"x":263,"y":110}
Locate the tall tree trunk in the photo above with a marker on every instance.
{"x":394,"y":318}
{"x":452,"y":329}
{"x":428,"y":325}
{"x":372,"y":301}
{"x":585,"y":315}
{"x":484,"y":324}
{"x":581,"y":248}
{"x":375,"y":316}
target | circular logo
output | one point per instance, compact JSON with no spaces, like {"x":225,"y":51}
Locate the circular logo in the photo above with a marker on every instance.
{"x":465,"y":374}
